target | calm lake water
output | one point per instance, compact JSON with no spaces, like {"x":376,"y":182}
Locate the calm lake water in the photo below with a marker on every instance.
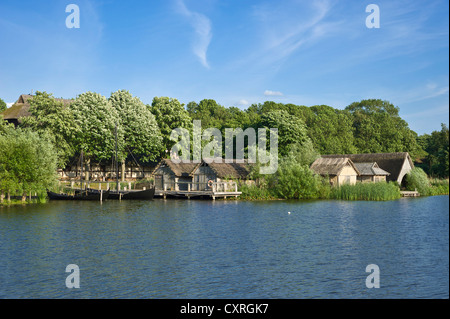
{"x":226,"y":249}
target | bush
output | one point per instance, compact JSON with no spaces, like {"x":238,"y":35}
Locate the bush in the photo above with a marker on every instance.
{"x":417,"y":179}
{"x":252,"y":192}
{"x":299,"y":182}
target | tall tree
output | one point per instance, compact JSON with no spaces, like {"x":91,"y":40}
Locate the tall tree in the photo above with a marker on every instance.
{"x":3,"y":105}
{"x":54,"y":119}
{"x":291,"y":129}
{"x":330,"y":129}
{"x":436,"y":146}
{"x":379,"y":128}
{"x":141,"y":134}
{"x":169,"y":114}
{"x":95,"y":120}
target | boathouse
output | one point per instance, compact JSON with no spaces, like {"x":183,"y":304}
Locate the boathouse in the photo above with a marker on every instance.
{"x":396,"y":164}
{"x":173,"y":176}
{"x":340,"y":170}
{"x":371,"y":172}
{"x":205,"y":173}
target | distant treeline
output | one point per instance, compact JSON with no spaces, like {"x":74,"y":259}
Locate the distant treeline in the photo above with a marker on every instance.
{"x":88,"y":124}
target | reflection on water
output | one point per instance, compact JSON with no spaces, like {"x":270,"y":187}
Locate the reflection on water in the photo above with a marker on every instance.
{"x":226,"y":249}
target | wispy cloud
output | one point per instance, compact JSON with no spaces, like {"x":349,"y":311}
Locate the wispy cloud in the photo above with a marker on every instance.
{"x":202,"y":28}
{"x":285,"y":33}
{"x":272,"y":93}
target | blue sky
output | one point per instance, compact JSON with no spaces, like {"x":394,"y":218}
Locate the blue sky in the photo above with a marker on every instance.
{"x":235,"y":52}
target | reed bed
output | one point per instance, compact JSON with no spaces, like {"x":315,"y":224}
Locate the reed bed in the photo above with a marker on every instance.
{"x":380,"y":191}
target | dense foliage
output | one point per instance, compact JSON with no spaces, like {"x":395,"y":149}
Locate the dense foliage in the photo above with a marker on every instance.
{"x":3,"y":105}
{"x":89,"y":122}
{"x":435,"y":161}
{"x":28,"y":161}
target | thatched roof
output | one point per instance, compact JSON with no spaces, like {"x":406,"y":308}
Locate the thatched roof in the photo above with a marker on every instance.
{"x":390,"y":162}
{"x":332,"y":166}
{"x":22,"y":106}
{"x":230,"y":170}
{"x":370,"y":169}
{"x":178,"y":169}
{"x":222,"y":170}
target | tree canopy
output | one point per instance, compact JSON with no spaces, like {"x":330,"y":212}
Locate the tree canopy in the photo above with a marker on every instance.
{"x":141,"y":134}
{"x":28,"y":161}
{"x":3,"y":105}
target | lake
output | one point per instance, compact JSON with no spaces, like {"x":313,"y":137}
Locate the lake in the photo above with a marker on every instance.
{"x":226,"y":249}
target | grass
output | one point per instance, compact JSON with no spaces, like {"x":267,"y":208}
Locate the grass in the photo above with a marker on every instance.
{"x":380,"y":191}
{"x":253,"y":192}
{"x":438,"y":187}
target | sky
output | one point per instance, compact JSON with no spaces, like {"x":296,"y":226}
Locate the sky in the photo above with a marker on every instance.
{"x":237,"y":52}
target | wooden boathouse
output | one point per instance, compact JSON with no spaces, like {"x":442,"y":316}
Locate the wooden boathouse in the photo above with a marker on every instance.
{"x":194,"y":180}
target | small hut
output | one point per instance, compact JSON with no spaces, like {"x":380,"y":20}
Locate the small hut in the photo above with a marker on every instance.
{"x":339,"y":170}
{"x":371,"y":172}
{"x":173,"y":176}
{"x":219,"y":172}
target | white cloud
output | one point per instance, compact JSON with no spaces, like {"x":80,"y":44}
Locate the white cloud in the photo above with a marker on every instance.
{"x":272,"y":93}
{"x":243,"y":102}
{"x":202,"y":28}
{"x":9,"y":104}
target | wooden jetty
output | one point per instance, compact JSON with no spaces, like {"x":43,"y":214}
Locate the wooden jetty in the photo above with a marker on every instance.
{"x":213,"y":191}
{"x":171,"y":189}
{"x":410,"y":193}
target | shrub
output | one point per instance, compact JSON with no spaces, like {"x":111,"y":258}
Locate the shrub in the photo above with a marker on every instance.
{"x":418,"y":180}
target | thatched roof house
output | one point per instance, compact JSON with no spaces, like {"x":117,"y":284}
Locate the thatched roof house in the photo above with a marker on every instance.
{"x":173,"y":175}
{"x":219,"y":172}
{"x":177,"y":176}
{"x":21,"y":109}
{"x":371,"y":172}
{"x":397,"y":164}
{"x":232,"y":170}
{"x":340,"y":170}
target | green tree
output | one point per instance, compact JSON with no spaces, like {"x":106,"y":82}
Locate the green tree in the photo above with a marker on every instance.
{"x":3,"y":105}
{"x":436,"y":146}
{"x":291,"y":129}
{"x":54,"y":119}
{"x":95,"y":120}
{"x":330,"y":130}
{"x":28,"y":162}
{"x":378,"y":128}
{"x":170,"y":114}
{"x":209,"y":112}
{"x":141,"y":134}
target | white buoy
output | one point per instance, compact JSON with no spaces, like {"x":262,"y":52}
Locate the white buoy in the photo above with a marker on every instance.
{"x":289,"y":213}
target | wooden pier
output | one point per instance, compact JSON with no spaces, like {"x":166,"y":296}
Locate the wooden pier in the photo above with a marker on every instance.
{"x":192,"y":190}
{"x":171,"y":189}
{"x":410,"y":193}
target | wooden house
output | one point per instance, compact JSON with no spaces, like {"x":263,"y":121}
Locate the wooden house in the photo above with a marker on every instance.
{"x":396,"y":164}
{"x":172,"y":176}
{"x":218,"y":172}
{"x":370,"y":172}
{"x":340,"y":170}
